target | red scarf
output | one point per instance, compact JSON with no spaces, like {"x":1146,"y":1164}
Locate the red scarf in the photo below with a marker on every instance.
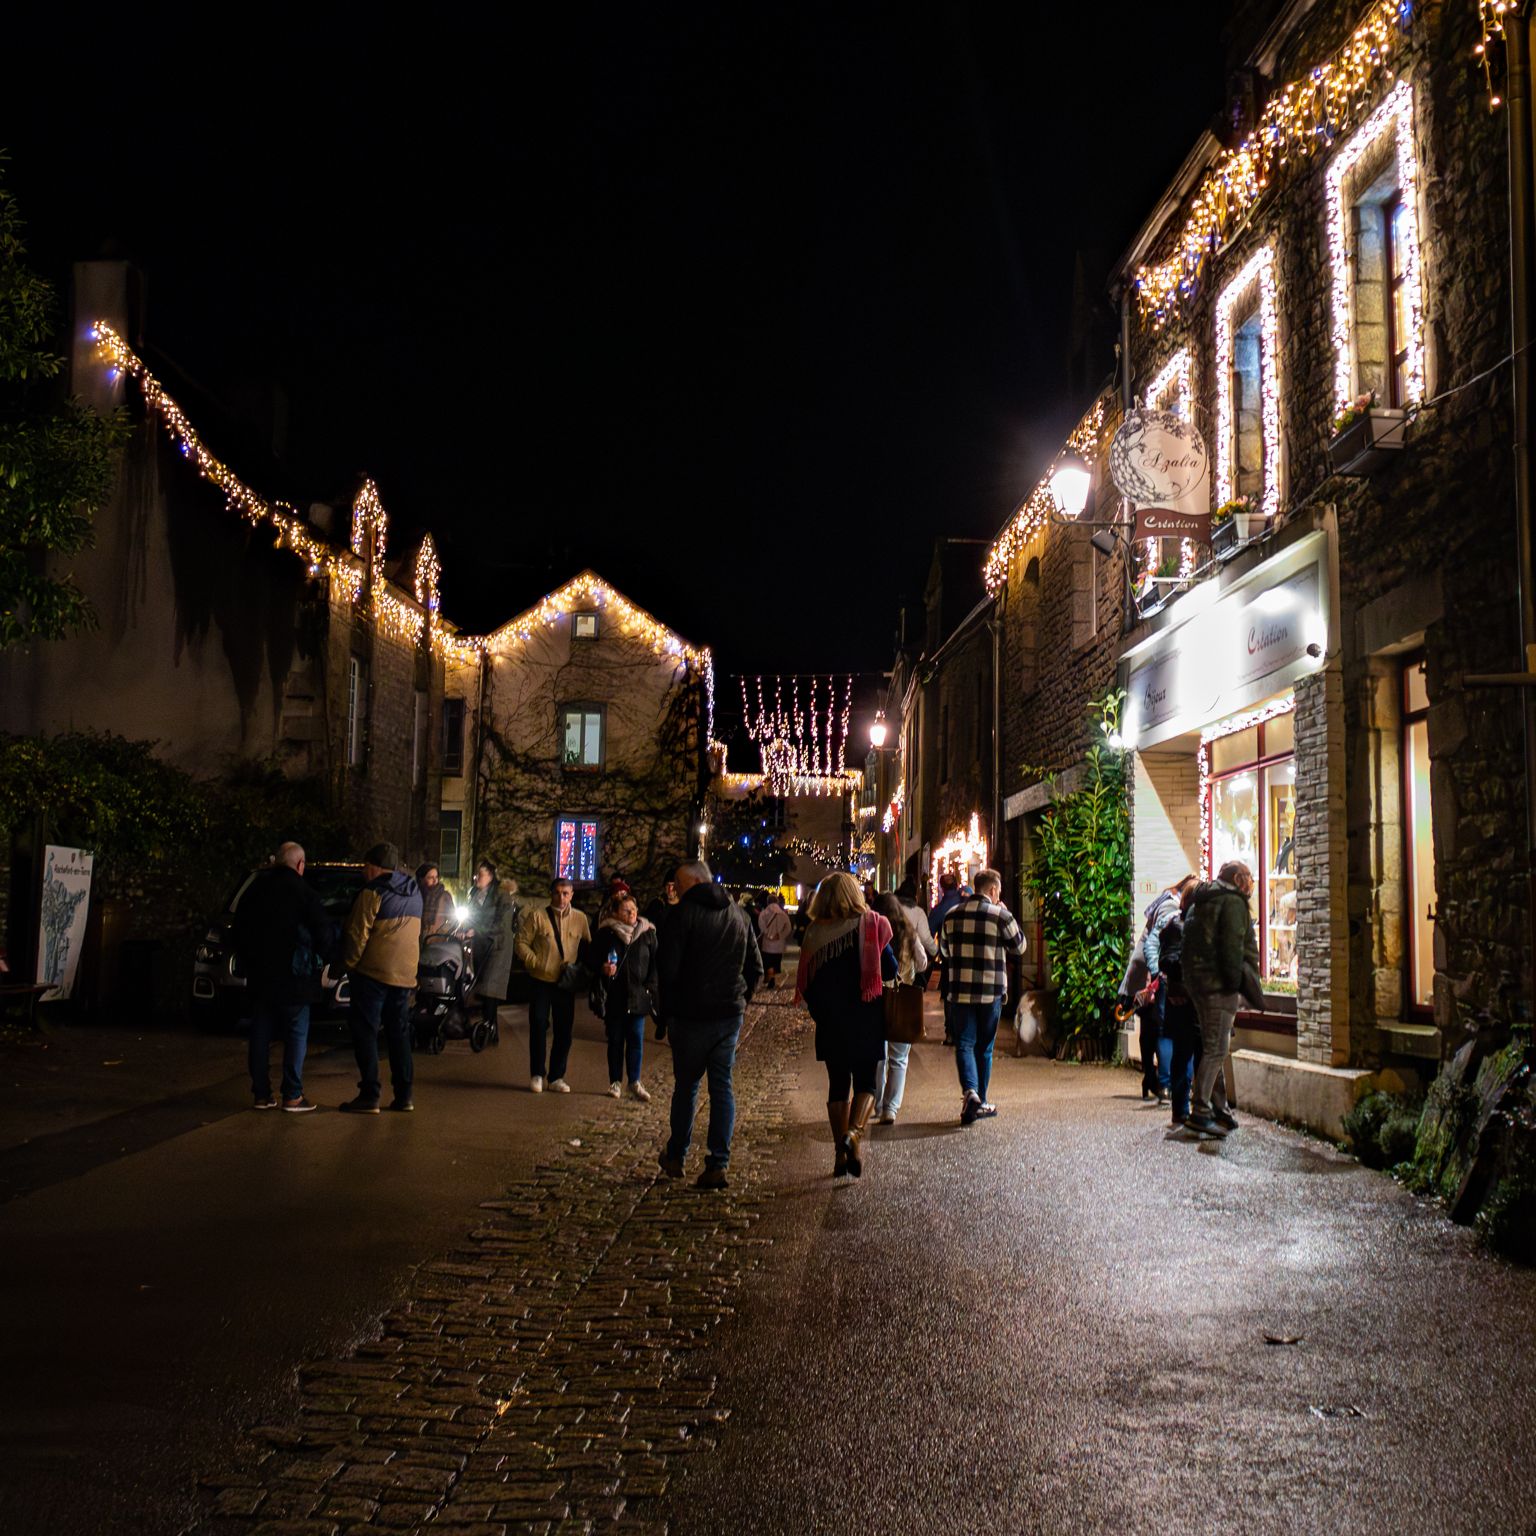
{"x":821,"y":942}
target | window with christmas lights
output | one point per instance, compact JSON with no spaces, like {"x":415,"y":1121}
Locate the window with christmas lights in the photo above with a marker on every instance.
{"x":584,"y":625}
{"x":1248,"y":386}
{"x":576,"y":849}
{"x":581,"y":738}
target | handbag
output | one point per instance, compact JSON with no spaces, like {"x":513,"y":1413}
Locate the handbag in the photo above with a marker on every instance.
{"x":904,"y":1013}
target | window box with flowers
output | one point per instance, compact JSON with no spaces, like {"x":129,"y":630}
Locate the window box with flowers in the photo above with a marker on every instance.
{"x":1365,"y":436}
{"x":1232,"y":525}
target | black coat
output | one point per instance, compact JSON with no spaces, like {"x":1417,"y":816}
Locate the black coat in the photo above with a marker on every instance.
{"x":633,"y":989}
{"x":283,"y":935}
{"x":709,"y":960}
{"x":847,"y":1028}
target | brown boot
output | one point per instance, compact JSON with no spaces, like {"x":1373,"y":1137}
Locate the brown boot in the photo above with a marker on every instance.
{"x":858,"y":1123}
{"x":837,"y":1117}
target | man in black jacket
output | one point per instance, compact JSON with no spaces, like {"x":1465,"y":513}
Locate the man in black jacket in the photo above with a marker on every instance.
{"x":282,"y":935}
{"x":709,"y":965}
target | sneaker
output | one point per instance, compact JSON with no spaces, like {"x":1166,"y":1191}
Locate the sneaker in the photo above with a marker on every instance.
{"x":402,"y":1106}
{"x":711,"y":1178}
{"x":615,"y":1089}
{"x":1226,"y":1118}
{"x":886,"y":1117}
{"x":638,"y":1091}
{"x":559,"y":1085}
{"x":1204,"y":1125}
{"x":970,"y":1107}
{"x":359,"y":1106}
{"x":985,"y":1111}
{"x":298,"y":1106}
{"x":671,"y":1166}
{"x":267,"y":1103}
{"x":535,"y":1085}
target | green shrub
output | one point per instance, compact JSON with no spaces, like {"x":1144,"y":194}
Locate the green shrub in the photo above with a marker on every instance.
{"x":1382,"y":1129}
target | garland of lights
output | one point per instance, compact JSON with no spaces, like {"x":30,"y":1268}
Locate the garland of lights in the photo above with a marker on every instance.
{"x":1260,"y":269}
{"x":359,"y":572}
{"x":799,"y":745}
{"x":1304,"y":116}
{"x":1491,"y":13}
{"x":893,"y":810}
{"x":1036,"y":508}
{"x":1228,"y":727}
{"x":828,"y":858}
{"x":799,"y":784}
{"x":1395,"y":113}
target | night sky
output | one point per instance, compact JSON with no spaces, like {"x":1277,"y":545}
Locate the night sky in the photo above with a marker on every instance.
{"x":741,"y":306}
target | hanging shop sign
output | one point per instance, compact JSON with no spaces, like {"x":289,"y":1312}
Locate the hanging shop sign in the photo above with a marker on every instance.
{"x":1159,"y":463}
{"x":1247,"y":644}
{"x":66,"y":898}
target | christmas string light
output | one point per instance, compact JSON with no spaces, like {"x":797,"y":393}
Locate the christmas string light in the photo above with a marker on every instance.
{"x":1491,"y":13}
{"x":1395,"y":113}
{"x":1171,"y":390}
{"x":959,"y":850}
{"x":1035,"y":510}
{"x":1303,"y":117}
{"x":893,"y":810}
{"x":1260,"y":270}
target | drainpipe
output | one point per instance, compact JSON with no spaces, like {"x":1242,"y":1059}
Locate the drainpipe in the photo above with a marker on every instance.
{"x":1522,"y":252}
{"x":996,"y":629}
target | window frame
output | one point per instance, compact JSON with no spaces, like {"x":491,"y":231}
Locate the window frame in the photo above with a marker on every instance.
{"x":577,"y":615}
{"x":578,"y":820}
{"x":583,"y":709}
{"x":357,"y":711}
{"x":1257,"y":274}
{"x":1412,"y":1007}
{"x":450,"y":821}
{"x":452,"y":763}
{"x":1396,"y":369}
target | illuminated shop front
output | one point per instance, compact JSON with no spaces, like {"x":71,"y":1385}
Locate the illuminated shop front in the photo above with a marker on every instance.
{"x":1211,"y":717}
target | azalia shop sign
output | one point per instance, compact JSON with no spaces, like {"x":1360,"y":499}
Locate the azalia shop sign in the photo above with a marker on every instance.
{"x":1160,"y":523}
{"x":1245,"y":646}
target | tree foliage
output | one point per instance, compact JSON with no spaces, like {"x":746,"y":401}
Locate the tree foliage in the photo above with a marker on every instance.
{"x":744,"y":851}
{"x":1081,"y":877}
{"x":56,"y":456}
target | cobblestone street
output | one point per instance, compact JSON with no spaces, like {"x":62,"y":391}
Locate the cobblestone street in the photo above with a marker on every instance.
{"x":1056,"y":1321}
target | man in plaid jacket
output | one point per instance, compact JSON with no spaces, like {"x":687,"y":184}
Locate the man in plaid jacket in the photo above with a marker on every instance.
{"x":976,"y":940}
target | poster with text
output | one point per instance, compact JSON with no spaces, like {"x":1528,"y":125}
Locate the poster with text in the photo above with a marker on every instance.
{"x":61,"y":928}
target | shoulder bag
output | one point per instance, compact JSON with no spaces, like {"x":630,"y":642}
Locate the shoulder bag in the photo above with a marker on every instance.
{"x":904,"y":1013}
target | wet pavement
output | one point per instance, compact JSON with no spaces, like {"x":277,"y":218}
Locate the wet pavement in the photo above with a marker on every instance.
{"x":1055,"y":1321}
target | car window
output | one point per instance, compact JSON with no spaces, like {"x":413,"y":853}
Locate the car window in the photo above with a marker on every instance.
{"x":336,"y":888}
{"x":240,"y":890}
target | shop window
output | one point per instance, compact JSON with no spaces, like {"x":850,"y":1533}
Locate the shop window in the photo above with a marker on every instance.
{"x":576,"y":849}
{"x":584,"y":626}
{"x":1418,"y":839}
{"x":1251,"y":815}
{"x":581,"y":738}
{"x":449,"y":838}
{"x":453,"y":737}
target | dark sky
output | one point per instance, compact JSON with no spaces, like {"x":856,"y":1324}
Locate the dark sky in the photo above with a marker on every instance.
{"x":741,"y":305}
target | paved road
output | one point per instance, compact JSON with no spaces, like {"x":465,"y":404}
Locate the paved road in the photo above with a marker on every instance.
{"x":1054,"y":1321}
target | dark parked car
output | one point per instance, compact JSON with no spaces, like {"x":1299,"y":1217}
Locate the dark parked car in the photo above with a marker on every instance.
{"x":218,"y":988}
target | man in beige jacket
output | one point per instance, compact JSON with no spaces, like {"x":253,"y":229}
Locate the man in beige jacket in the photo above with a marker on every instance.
{"x":550,"y":939}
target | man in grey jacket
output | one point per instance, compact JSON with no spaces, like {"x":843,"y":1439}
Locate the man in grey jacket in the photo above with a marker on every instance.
{"x":1221,"y":969}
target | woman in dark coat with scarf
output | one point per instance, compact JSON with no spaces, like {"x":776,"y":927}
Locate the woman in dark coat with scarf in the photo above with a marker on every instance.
{"x":845,"y":961}
{"x":623,"y":961}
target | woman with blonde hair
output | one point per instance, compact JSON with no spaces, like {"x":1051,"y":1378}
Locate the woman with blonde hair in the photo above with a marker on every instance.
{"x":845,"y":961}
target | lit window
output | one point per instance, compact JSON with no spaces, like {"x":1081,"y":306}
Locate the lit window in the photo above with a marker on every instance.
{"x":584,"y":626}
{"x":581,"y":737}
{"x":1418,"y":838}
{"x":1373,"y":248}
{"x":1248,"y":386}
{"x":575,"y":849}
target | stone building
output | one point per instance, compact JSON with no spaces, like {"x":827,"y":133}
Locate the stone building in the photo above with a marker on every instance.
{"x":232,"y":628}
{"x":1298,"y":699}
{"x":573,"y":743}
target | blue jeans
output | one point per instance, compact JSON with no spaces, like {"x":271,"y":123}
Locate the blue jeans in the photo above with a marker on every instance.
{"x":1156,"y":1046}
{"x":290,"y":1022}
{"x":549,"y":1006}
{"x":974,"y":1026}
{"x":698,"y":1049}
{"x":891,"y":1078}
{"x":626,"y":1040}
{"x":376,"y":1005}
{"x":1184,"y":1035}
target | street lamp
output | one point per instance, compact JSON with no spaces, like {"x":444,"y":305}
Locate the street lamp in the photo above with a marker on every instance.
{"x":1070,"y":481}
{"x":877,"y":732}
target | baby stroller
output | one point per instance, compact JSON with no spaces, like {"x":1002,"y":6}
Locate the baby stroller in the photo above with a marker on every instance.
{"x":445,"y":977}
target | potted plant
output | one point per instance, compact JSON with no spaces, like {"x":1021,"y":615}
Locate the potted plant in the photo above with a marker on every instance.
{"x":1364,"y":435}
{"x":1231,"y":524}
